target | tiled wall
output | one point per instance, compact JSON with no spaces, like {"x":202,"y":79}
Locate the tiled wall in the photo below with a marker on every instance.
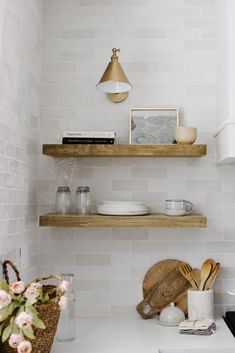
{"x":168,"y":50}
{"x":20,"y":65}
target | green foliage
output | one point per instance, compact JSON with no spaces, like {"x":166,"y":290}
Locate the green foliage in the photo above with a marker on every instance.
{"x":39,"y":323}
{"x":31,"y":310}
{"x":4,"y":286}
{"x":46,"y":298}
{"x":30,"y":301}
{"x":7,"y":332}
{"x":28,"y":332}
{"x":6,"y":312}
{"x":1,"y":329}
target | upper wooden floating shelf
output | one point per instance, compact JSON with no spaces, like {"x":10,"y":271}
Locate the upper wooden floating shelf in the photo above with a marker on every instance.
{"x":99,"y":221}
{"x":124,"y":150}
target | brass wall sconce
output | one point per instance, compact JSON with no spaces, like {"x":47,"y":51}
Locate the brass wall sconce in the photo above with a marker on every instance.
{"x":114,"y":81}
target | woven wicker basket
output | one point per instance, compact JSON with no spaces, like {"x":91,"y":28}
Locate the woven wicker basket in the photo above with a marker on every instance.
{"x":49,"y":313}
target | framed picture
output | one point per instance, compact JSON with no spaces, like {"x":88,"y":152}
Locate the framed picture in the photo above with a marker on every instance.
{"x":153,"y":125}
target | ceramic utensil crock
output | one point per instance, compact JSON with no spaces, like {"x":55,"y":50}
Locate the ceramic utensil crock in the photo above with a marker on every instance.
{"x":200,"y":304}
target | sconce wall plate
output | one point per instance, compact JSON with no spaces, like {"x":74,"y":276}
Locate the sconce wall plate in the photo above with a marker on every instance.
{"x":117,"y":97}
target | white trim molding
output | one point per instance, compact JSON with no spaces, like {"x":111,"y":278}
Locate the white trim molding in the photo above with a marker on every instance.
{"x":225,"y":143}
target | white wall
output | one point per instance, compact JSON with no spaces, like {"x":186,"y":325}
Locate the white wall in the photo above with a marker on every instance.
{"x":168,"y":50}
{"x":223,"y":111}
{"x":20,"y":65}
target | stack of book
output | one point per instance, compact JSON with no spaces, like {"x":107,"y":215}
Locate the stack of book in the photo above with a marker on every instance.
{"x":89,"y":137}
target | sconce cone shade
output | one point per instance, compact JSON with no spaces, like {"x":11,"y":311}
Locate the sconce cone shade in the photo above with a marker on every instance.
{"x":114,"y":79}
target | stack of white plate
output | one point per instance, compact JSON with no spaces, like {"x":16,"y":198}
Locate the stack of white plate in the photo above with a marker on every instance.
{"x":122,"y":208}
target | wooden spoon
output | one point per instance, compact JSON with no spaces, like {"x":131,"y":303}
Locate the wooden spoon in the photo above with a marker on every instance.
{"x":205,"y":273}
{"x":213,"y":263}
{"x":210,"y":281}
{"x":186,"y":272}
{"x":196,"y":274}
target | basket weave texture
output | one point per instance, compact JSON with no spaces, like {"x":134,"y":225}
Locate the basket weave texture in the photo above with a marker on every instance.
{"x":49,"y":313}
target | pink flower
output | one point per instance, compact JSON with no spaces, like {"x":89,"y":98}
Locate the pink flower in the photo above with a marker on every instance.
{"x":36,"y":285}
{"x":17,"y":287}
{"x":31,"y":292}
{"x":23,"y":320}
{"x":5,"y":298}
{"x":24,"y":347}
{"x":63,"y":302}
{"x":64,"y":286}
{"x":15,"y":340}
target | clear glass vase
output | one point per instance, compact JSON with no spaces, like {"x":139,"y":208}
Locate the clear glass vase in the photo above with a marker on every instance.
{"x":66,"y":326}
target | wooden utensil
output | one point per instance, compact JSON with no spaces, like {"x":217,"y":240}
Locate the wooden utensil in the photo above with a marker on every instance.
{"x":186,"y":271}
{"x":196,"y":274}
{"x":210,"y":281}
{"x":205,"y":273}
{"x":163,"y":284}
{"x":213,"y":263}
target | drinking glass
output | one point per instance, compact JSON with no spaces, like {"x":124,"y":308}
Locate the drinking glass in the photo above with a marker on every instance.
{"x":83,"y":200}
{"x":63,"y":200}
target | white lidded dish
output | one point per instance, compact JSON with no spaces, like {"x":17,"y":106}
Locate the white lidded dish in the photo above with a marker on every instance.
{"x":171,"y":316}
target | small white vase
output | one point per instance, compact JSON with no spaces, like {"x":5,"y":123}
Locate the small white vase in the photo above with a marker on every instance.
{"x":200,"y":304}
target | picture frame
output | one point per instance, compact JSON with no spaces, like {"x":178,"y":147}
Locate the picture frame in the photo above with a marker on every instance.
{"x":153,"y":125}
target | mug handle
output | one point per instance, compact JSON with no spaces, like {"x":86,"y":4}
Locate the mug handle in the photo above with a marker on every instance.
{"x":189,"y":207}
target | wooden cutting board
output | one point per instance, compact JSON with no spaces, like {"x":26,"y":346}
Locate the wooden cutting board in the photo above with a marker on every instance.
{"x":163,"y":284}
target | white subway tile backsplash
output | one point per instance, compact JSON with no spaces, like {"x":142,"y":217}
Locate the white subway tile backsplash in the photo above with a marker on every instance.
{"x":54,"y":68}
{"x":92,"y":260}
{"x":77,"y":56}
{"x":199,"y":22}
{"x":93,"y":285}
{"x":149,"y":247}
{"x":129,"y":185}
{"x":199,"y":2}
{"x":148,"y":33}
{"x":130,"y":234}
{"x":148,"y":172}
{"x":183,"y":11}
{"x":77,"y":33}
{"x":19,"y":132}
{"x":62,"y":3}
{"x":203,"y":185}
{"x":199,"y":44}
{"x":169,"y":55}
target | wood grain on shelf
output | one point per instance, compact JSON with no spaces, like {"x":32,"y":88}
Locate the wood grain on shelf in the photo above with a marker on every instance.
{"x":100,"y":221}
{"x":124,"y":150}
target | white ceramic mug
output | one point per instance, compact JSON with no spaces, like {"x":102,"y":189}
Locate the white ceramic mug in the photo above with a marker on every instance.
{"x":200,"y":304}
{"x":178,"y":207}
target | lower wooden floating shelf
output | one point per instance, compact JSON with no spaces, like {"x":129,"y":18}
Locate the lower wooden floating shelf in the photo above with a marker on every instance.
{"x":99,"y":221}
{"x":125,"y":150}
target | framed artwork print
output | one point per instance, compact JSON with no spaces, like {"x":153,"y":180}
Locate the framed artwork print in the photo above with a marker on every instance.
{"x":153,"y":125}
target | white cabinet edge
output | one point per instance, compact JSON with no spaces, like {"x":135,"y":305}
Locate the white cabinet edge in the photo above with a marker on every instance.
{"x":225,"y":143}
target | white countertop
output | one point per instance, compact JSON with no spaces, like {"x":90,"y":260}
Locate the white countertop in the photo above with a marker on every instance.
{"x":135,"y":335}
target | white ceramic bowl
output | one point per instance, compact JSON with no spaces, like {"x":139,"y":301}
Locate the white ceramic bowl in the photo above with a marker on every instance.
{"x":185,"y":135}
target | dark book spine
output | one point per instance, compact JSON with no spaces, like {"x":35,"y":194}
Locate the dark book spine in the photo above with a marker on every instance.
{"x":87,"y":140}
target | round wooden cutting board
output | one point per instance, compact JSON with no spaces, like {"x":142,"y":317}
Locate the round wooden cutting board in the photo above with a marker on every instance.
{"x":163,"y":284}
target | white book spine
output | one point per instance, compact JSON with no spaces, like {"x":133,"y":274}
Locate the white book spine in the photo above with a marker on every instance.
{"x":91,"y":134}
